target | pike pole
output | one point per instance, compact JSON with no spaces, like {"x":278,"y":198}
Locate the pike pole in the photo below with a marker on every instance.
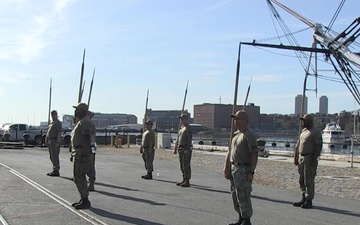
{"x":145,"y":114}
{"x":81,"y":78}
{"x":91,"y":87}
{"x":50,"y":101}
{"x":182,"y":111}
{"x":247,"y":94}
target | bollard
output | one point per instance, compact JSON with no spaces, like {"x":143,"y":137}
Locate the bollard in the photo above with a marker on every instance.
{"x":119,"y":142}
{"x":128,"y":141}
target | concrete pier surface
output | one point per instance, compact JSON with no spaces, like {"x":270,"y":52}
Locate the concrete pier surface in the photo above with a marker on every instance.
{"x":28,"y":196}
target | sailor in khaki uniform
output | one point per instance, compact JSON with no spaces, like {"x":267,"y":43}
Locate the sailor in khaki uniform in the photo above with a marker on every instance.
{"x":81,"y":150}
{"x":240,"y":165}
{"x":184,"y":147}
{"x":307,"y":152}
{"x":53,"y":140}
{"x":147,"y":149}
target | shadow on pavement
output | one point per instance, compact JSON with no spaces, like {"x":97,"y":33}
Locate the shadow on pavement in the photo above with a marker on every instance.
{"x":129,"y":198}
{"x":114,"y":186}
{"x":327,"y":209}
{"x":103,"y":184}
{"x":338,"y":211}
{"x":200,"y":187}
{"x":271,"y":200}
{"x":120,"y":217}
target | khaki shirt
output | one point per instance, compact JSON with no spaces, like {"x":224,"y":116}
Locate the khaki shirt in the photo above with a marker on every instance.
{"x":148,"y":139}
{"x":83,"y":127}
{"x":185,"y":137}
{"x":242,"y":146}
{"x":309,"y":141}
{"x":54,"y":129}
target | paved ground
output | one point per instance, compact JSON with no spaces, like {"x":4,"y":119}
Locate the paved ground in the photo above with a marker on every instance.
{"x":28,"y":196}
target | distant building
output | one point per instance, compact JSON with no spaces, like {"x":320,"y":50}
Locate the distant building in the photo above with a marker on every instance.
{"x":215,"y":116}
{"x":298,"y":103}
{"x":323,"y":105}
{"x":103,"y":120}
{"x":166,"y":119}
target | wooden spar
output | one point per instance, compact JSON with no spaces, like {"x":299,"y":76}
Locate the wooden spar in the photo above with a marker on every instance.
{"x":50,"y":101}
{"x":81,"y":78}
{"x":91,"y":86}
{"x":232,"y":130}
{"x":182,"y":111}
{"x":247,"y":94}
{"x":145,"y":114}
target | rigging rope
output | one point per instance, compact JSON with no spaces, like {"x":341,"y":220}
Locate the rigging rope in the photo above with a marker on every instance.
{"x":335,"y":15}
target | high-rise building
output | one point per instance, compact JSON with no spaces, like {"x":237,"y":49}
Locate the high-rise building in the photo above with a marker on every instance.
{"x":323,"y":105}
{"x":298,"y":103}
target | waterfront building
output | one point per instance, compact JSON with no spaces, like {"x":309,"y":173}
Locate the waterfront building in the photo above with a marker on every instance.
{"x":166,"y":119}
{"x":217,"y":116}
{"x":103,"y":120}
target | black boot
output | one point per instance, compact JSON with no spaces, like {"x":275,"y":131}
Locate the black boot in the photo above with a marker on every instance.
{"x":83,"y":204}
{"x":75,"y":203}
{"x":307,"y":204}
{"x":148,"y":176}
{"x":91,"y":186}
{"x":178,"y":184}
{"x":238,"y":222}
{"x":54,"y":174}
{"x":186,"y":183}
{"x":246,"y":221}
{"x":302,"y":201}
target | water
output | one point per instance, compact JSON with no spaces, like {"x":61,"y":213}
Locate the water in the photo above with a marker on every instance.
{"x":288,"y":144}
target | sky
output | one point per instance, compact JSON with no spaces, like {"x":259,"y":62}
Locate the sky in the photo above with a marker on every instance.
{"x":136,"y":45}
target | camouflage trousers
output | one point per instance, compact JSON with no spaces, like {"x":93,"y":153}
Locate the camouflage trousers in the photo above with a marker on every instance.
{"x":241,"y":190}
{"x":148,"y":157}
{"x":91,"y":171}
{"x":81,"y":168}
{"x":307,"y":171}
{"x":54,"y":151}
{"x":185,"y":166}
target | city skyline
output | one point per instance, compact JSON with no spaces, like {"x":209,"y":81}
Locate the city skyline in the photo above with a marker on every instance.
{"x":137,"y":46}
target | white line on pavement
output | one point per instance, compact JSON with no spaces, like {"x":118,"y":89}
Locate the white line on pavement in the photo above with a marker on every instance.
{"x":61,"y":201}
{"x":3,"y":221}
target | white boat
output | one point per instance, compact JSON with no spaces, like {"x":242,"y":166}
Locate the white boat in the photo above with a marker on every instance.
{"x":333,"y":135}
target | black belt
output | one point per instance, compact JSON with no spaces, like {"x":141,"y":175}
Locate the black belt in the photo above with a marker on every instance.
{"x":307,"y":154}
{"x":240,"y":164}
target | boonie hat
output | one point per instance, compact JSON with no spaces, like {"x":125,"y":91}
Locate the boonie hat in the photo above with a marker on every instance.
{"x":240,"y":115}
{"x":307,"y":117}
{"x":184,"y":115}
{"x":82,"y":106}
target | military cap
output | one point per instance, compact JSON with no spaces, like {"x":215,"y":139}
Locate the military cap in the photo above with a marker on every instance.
{"x":240,"y":115}
{"x":307,"y":117}
{"x":184,"y":115}
{"x":82,"y":106}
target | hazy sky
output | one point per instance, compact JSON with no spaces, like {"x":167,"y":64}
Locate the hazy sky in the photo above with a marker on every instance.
{"x":159,"y":45}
